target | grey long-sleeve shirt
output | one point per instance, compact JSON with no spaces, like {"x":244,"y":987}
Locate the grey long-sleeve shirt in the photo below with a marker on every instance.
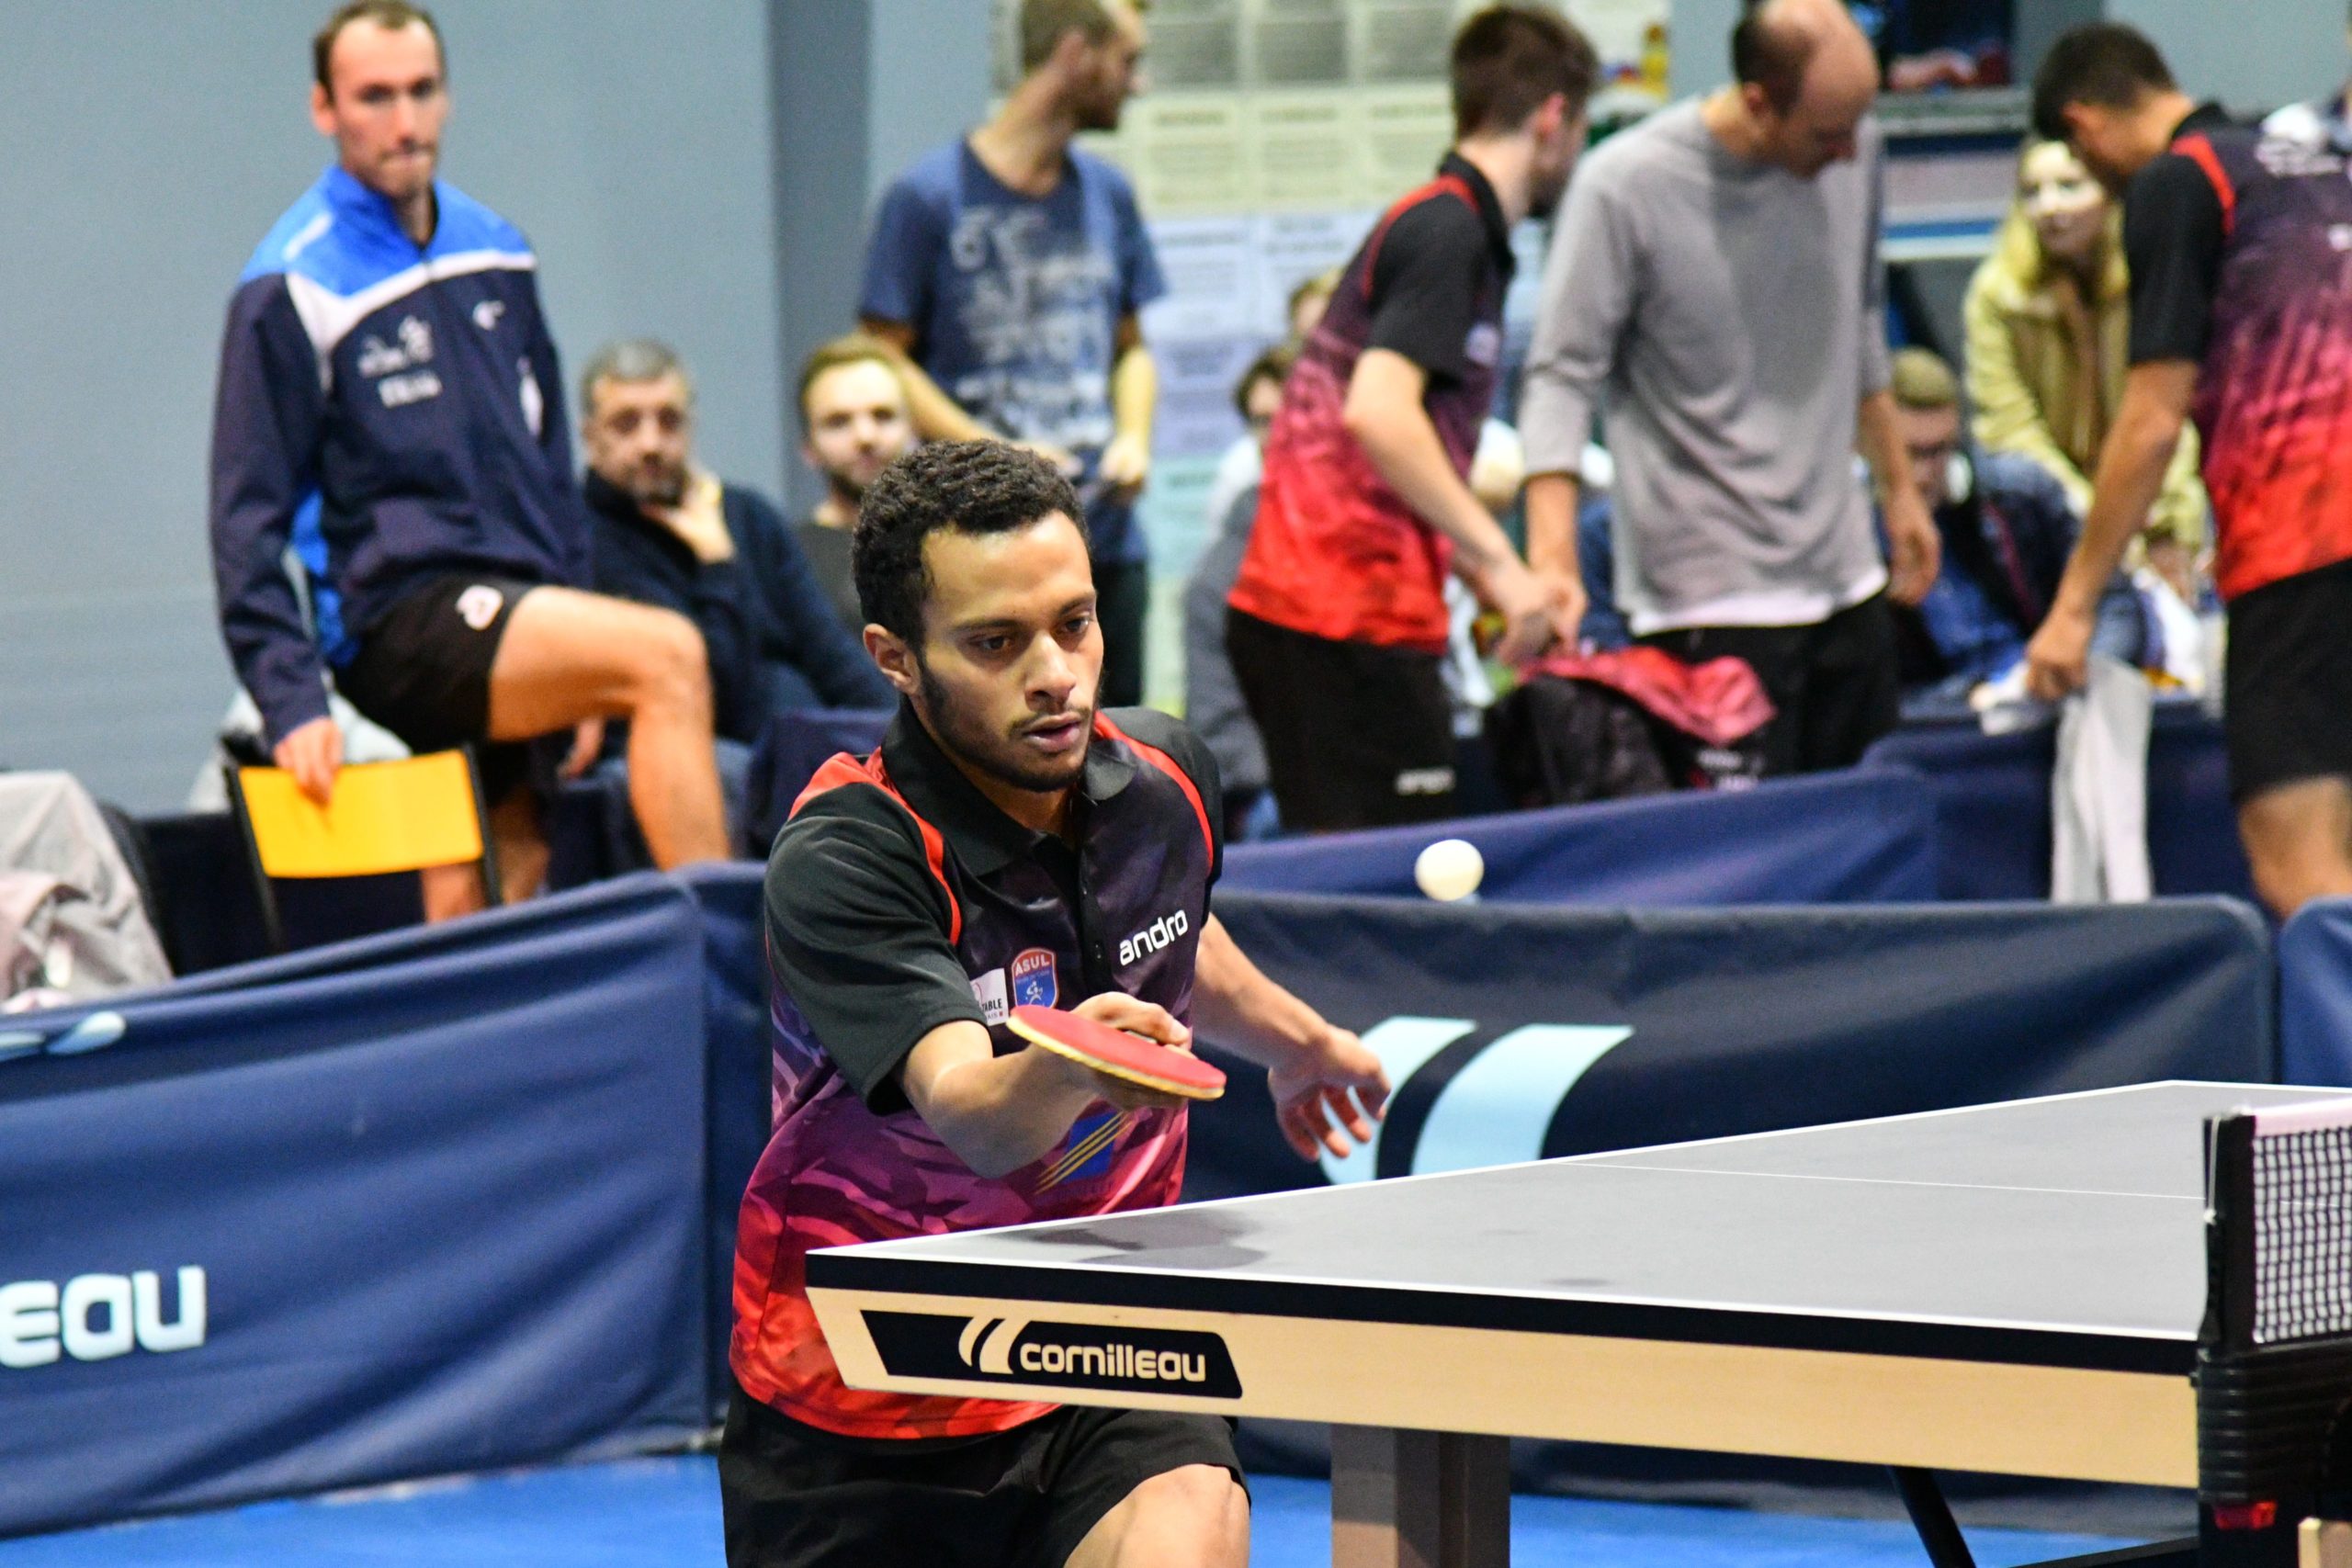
{"x":1726,"y":317}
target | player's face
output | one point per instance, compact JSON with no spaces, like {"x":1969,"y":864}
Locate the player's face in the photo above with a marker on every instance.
{"x":1112,"y":70}
{"x":387,"y":106}
{"x":1555,"y":161}
{"x":857,"y":425}
{"x":2101,"y":138}
{"x":1012,"y":655}
{"x":2064,"y":204}
{"x":639,"y":436}
{"x":1932,"y":438}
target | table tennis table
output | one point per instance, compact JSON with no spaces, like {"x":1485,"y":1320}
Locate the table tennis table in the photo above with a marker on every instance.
{"x":2017,"y":1287}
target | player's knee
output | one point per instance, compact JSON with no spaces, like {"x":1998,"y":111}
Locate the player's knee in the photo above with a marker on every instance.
{"x":1193,"y":1517}
{"x":673,"y":668}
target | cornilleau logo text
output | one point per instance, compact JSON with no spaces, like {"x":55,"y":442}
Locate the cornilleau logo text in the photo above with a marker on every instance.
{"x":94,"y":1317}
{"x":1056,"y":1355}
{"x":1155,"y":936}
{"x":1115,"y":1360}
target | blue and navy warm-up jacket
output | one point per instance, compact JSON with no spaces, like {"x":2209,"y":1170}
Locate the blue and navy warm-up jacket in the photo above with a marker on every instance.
{"x":393,"y":412}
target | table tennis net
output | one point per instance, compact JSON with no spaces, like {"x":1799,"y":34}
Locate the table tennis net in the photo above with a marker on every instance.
{"x":2302,"y":1209}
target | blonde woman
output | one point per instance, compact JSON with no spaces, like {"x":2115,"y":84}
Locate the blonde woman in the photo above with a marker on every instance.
{"x":2049,"y":321}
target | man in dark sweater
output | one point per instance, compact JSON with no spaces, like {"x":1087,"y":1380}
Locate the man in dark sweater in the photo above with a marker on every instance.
{"x":669,"y":534}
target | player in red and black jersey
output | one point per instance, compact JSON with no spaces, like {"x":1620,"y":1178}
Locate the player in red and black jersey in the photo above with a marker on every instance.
{"x":2240,"y":245}
{"x":1339,"y":624}
{"x":1008,"y":845}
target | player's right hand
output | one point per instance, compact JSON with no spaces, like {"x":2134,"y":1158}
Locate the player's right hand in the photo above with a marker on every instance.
{"x":1136,"y":1016}
{"x":2057,"y":660}
{"x":312,"y":753}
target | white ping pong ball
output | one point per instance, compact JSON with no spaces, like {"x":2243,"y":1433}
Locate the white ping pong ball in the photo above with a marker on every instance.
{"x":1450,"y":870}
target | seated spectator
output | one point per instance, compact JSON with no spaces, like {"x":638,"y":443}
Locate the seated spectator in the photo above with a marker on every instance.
{"x":384,"y":411}
{"x":853,"y":420}
{"x":1212,"y":705}
{"x":1307,"y":302}
{"x":2048,"y":317}
{"x":2006,"y":530}
{"x":669,"y":534}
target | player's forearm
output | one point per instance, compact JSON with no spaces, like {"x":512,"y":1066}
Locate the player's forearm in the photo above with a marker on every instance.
{"x":1135,"y":393}
{"x":1404,"y":449}
{"x":1552,"y":501}
{"x":1237,"y":1006}
{"x":995,"y":1113}
{"x":2132,"y":469}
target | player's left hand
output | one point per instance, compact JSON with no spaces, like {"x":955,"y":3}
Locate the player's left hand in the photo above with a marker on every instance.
{"x":1332,"y":1090}
{"x":587,"y":742}
{"x":1125,"y":467}
{"x":1914,"y":545}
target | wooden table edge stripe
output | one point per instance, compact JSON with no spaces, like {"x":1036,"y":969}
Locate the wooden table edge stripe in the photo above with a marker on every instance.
{"x":1929,"y":1414}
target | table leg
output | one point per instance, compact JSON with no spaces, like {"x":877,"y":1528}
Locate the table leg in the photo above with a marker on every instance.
{"x":1931,"y":1516}
{"x":1407,"y":1500}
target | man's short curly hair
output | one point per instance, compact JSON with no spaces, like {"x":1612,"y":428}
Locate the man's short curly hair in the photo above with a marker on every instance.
{"x":973,"y":487}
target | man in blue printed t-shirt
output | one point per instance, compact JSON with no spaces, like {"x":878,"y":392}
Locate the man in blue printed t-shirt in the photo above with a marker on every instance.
{"x":1009,"y":267}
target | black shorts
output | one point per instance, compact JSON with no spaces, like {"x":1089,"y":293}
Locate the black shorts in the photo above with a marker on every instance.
{"x":2287,"y":687}
{"x":1357,"y":736}
{"x":423,"y":672}
{"x":1837,"y":684}
{"x":797,"y":1497}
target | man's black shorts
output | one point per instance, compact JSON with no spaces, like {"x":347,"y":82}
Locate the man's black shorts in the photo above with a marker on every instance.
{"x":2287,"y":685}
{"x":1836,"y":685}
{"x":797,"y":1497}
{"x":423,"y":672}
{"x":1357,"y":736}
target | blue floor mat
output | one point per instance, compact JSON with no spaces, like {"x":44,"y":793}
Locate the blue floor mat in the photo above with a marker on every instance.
{"x":664,"y":1513}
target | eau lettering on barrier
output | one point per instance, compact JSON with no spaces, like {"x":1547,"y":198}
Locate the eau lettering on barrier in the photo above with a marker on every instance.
{"x":93,"y":1317}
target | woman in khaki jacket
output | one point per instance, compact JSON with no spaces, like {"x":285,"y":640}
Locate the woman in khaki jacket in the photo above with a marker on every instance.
{"x":2048,"y":324}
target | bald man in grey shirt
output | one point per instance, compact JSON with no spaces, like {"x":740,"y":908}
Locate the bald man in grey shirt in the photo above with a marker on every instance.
{"x":1715,"y":290}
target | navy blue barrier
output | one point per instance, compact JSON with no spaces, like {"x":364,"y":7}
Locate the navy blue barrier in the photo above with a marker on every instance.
{"x":2315,"y":994}
{"x":1993,"y":806}
{"x":735,"y":1014}
{"x":1867,"y":836}
{"x":427,"y":1203}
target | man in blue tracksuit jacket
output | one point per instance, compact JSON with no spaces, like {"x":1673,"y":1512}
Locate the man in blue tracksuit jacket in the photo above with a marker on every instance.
{"x":390,"y":404}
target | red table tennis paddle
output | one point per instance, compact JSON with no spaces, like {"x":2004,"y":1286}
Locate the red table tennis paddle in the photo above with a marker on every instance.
{"x":1117,"y":1053}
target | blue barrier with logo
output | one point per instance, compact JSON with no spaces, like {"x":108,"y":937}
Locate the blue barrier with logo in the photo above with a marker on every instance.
{"x":1516,"y":1033}
{"x":1992,"y":795}
{"x":2315,"y":994}
{"x":1862,"y":837}
{"x":428,"y":1203}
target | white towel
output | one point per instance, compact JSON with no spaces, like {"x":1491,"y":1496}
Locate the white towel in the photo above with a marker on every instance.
{"x":2098,"y":790}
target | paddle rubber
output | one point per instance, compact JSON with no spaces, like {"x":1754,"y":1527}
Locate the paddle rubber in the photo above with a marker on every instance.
{"x":1117,"y":1053}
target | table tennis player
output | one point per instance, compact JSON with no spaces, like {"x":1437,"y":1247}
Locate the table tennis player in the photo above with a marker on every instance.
{"x":1008,"y":846}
